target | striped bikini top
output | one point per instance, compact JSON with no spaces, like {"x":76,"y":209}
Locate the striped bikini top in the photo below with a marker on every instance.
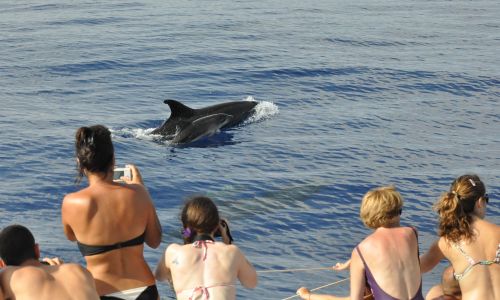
{"x":472,"y":262}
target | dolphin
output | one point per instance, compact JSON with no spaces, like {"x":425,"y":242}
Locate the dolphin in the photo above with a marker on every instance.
{"x":182,"y":119}
{"x":202,"y":127}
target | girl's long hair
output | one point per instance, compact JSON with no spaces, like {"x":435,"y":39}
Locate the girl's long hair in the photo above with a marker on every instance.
{"x":455,"y":208}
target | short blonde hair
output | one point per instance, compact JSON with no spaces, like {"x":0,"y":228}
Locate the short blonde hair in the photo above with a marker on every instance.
{"x":380,"y":206}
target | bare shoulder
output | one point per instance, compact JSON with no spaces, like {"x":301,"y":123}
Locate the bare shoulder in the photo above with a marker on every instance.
{"x":139,"y":192}
{"x":493,"y":226}
{"x":73,"y":206}
{"x":444,"y":245}
{"x":139,"y":188}
{"x":410,"y":229}
{"x":173,"y":249}
{"x":15,"y":279}
{"x":493,"y":230}
{"x":76,"y":199}
{"x":230,"y":250}
{"x":367,"y":241}
{"x":27,"y":276}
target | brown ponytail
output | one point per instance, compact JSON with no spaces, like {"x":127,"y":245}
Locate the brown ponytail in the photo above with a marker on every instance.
{"x":199,"y":216}
{"x":455,"y":208}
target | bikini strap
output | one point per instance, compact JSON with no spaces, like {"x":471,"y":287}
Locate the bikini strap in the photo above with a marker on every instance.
{"x":202,"y":289}
{"x":470,"y":260}
{"x":203,"y":244}
{"x":416,"y":236}
{"x":360,"y":255}
{"x":414,"y":231}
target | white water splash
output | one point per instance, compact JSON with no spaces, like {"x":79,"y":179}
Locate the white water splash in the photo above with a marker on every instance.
{"x":263,"y":110}
{"x":138,"y":133}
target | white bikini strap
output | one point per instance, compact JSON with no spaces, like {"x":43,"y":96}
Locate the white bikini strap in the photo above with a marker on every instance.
{"x":470,"y":260}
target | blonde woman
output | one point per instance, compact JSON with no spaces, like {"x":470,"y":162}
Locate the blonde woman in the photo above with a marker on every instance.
{"x":387,"y":259}
{"x":470,"y":243}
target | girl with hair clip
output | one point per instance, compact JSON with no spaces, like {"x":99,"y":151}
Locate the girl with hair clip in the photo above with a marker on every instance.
{"x":203,"y":268}
{"x":386,"y":262}
{"x":470,"y":243}
{"x":111,"y":221}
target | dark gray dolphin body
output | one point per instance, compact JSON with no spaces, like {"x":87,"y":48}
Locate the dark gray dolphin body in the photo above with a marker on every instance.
{"x":187,"y":124}
{"x":202,"y":127}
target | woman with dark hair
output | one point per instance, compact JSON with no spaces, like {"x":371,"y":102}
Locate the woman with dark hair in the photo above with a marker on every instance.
{"x":111,"y":221}
{"x":203,"y":268}
{"x":470,"y":243}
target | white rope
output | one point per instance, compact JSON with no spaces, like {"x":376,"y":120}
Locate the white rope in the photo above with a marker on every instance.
{"x":318,"y":288}
{"x":294,"y":270}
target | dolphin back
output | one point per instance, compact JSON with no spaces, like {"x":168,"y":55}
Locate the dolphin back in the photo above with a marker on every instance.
{"x":179,"y":110}
{"x":187,"y":124}
{"x":180,"y":115}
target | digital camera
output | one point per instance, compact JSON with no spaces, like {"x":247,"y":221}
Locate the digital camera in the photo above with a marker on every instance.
{"x":120,"y":172}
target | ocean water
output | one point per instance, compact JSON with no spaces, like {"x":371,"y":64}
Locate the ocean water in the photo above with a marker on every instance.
{"x":353,"y":95}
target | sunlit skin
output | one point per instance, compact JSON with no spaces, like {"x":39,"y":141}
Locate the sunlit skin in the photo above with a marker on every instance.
{"x":125,"y":211}
{"x":55,"y":281}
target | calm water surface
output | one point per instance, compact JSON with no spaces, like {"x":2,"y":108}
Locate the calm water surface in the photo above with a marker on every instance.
{"x":353,"y":95}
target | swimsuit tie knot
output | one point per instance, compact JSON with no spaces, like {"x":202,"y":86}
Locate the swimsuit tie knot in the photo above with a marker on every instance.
{"x":203,"y":290}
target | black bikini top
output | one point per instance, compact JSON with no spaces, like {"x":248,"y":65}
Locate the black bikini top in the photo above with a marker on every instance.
{"x":89,"y":250}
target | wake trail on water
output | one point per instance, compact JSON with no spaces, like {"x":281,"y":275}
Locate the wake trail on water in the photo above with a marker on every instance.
{"x":263,"y":110}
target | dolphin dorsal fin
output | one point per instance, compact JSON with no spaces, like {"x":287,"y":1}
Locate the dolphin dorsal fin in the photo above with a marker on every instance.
{"x":179,"y":110}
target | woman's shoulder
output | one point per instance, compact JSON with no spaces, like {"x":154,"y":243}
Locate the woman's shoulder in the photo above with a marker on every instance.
{"x":79,"y":198}
{"x":173,"y":248}
{"x":488,"y":230}
{"x":488,"y":225}
{"x":385,"y":234}
{"x":136,"y":191}
{"x":228,"y":248}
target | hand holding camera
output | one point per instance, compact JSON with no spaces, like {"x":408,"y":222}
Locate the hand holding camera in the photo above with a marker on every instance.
{"x":129,"y":174}
{"x":224,"y":232}
{"x":120,"y":174}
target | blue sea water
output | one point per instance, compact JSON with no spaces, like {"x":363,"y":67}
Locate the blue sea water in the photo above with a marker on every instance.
{"x":353,"y":95}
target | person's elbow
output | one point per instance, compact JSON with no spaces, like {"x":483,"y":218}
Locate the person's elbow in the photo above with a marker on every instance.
{"x":428,"y":262}
{"x":153,"y":236}
{"x":250,"y":282}
{"x":154,"y":242}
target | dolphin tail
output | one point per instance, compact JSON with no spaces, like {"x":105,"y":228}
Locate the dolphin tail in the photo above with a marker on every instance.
{"x":178,"y":109}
